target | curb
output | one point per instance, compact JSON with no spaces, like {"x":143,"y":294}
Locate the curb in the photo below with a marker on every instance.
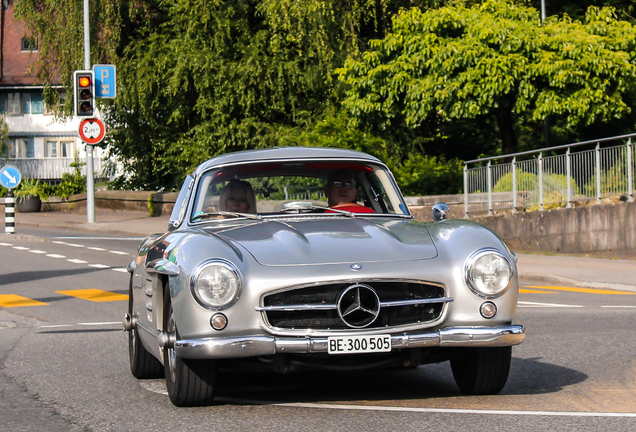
{"x":78,"y":228}
{"x":577,"y":283}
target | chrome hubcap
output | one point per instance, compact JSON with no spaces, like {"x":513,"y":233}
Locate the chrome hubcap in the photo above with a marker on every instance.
{"x":172,"y":357}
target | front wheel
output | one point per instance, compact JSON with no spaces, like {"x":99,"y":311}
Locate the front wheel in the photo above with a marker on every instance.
{"x":189,"y":382}
{"x":482,"y":371}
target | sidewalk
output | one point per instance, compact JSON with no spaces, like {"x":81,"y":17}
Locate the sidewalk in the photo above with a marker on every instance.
{"x":107,"y":222}
{"x":557,"y":269}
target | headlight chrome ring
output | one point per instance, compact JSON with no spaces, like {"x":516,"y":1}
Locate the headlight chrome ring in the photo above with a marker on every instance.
{"x":216,"y":284}
{"x":488,"y":273}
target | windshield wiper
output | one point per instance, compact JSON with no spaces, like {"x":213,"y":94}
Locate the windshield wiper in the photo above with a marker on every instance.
{"x":343,"y":212}
{"x":226,"y":214}
{"x":305,"y":207}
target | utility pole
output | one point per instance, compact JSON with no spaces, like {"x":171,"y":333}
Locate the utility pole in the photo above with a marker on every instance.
{"x":542,"y":10}
{"x":546,"y":122}
{"x":90,"y":180}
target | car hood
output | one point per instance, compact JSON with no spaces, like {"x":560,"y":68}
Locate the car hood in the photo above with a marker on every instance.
{"x":332,"y":241}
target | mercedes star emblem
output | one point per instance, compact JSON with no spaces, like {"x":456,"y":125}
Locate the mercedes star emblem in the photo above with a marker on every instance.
{"x":355,"y":266}
{"x":358,"y":306}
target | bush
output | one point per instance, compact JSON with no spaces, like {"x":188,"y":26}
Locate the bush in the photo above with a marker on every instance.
{"x":71,"y":184}
{"x":554,"y":185}
{"x":32,"y":187}
{"x":612,"y":180}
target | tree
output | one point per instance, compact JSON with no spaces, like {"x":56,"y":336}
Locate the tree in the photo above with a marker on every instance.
{"x":576,"y":9}
{"x":4,"y":136}
{"x":494,"y":60}
{"x":200,"y":78}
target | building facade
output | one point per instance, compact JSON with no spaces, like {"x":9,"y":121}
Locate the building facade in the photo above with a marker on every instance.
{"x":39,"y":145}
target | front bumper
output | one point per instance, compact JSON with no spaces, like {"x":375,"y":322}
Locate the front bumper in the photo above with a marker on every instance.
{"x":252,"y":346}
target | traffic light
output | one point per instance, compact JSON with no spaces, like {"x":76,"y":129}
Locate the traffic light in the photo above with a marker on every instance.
{"x":84,"y":93}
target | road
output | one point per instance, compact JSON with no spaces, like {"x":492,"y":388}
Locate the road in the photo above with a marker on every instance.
{"x":64,"y":362}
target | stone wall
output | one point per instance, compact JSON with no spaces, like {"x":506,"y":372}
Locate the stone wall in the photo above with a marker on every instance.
{"x":609,"y":229}
{"x":155,"y":203}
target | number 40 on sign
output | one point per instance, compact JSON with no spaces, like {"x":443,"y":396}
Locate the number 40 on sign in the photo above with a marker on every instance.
{"x":92,"y":130}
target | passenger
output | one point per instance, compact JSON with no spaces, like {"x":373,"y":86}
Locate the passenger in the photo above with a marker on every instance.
{"x":238,"y":196}
{"x":341,"y":192}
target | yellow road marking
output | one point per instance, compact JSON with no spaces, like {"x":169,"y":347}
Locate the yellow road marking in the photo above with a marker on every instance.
{"x":14,"y":300}
{"x":583,"y":290}
{"x":93,"y":294}
{"x":527,"y":291}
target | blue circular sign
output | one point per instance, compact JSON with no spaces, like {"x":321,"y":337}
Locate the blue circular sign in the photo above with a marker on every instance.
{"x":10,"y":177}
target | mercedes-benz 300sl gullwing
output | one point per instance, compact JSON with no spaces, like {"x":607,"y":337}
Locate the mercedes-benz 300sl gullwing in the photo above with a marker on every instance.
{"x":310,"y":258}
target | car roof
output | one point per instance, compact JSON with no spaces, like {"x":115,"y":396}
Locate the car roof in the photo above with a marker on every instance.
{"x":281,"y":153}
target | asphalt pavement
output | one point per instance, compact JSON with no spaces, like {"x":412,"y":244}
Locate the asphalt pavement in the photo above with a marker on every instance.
{"x":589,"y":272}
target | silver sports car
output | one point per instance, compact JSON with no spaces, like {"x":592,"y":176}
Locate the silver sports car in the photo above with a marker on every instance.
{"x":309,"y":258}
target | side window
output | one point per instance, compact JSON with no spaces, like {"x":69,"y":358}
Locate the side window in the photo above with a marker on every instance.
{"x":181,"y":204}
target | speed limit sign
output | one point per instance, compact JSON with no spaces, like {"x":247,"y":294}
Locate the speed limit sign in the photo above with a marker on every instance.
{"x":92,"y":130}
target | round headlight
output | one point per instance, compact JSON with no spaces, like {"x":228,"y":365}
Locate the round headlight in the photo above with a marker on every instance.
{"x":216,"y":284}
{"x":488,"y":273}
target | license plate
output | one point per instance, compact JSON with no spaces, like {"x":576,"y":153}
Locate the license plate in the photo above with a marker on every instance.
{"x":359,"y":344}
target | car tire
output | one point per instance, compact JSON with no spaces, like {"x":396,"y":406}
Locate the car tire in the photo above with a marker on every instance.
{"x":482,"y":371}
{"x":189,"y":382}
{"x":143,"y":365}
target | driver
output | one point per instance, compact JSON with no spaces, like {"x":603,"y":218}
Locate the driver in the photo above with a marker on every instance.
{"x":341,"y":192}
{"x":238,"y":196}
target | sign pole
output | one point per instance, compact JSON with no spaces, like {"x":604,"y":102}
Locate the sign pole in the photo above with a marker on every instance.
{"x":10,"y":178}
{"x":9,"y":213}
{"x":90,"y":174}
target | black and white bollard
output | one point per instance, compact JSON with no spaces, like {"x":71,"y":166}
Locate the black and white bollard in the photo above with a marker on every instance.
{"x":9,"y":213}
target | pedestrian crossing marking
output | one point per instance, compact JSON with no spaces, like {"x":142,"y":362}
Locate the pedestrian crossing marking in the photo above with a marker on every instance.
{"x":95,"y":295}
{"x":582,"y":290}
{"x":14,"y":300}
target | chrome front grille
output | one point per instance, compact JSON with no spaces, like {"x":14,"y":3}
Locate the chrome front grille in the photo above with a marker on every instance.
{"x":316,"y":307}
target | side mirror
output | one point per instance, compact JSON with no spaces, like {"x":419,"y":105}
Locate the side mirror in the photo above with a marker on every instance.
{"x":440,"y":211}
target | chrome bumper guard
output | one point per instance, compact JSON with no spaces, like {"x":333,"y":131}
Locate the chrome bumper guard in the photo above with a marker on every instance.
{"x":252,"y":346}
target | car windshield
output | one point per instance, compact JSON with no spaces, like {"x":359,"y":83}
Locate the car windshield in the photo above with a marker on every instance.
{"x":282,"y":188}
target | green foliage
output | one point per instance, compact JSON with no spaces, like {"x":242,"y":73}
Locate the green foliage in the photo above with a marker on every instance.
{"x":60,"y":30}
{"x":426,"y":81}
{"x":71,"y":184}
{"x":4,"y":136}
{"x":530,"y":181}
{"x":216,"y":77}
{"x":151,"y":205}
{"x":554,"y":187}
{"x":612,"y":179}
{"x":497,"y":60}
{"x":32,"y":187}
{"x":200,"y":78}
{"x":424,"y":175}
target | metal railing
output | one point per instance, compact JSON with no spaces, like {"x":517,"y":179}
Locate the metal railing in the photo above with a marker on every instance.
{"x":550,"y":177}
{"x":53,"y":168}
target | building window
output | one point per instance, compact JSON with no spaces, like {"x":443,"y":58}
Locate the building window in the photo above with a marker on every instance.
{"x":20,"y":148}
{"x":13,"y":105}
{"x":59,"y":149}
{"x":22,"y":103}
{"x":29,"y":44}
{"x":32,"y":103}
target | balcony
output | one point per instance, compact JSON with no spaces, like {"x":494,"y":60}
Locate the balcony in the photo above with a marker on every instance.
{"x":51,"y":169}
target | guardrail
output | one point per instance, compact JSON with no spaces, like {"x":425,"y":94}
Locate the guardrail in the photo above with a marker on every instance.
{"x":550,"y":177}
